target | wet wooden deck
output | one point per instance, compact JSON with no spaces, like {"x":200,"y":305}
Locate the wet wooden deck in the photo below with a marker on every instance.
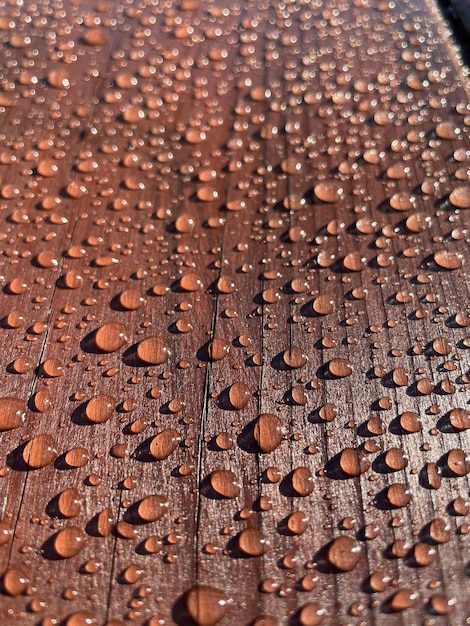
{"x":234,"y":314}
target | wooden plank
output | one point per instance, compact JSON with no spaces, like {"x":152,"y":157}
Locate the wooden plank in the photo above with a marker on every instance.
{"x":274,"y":197}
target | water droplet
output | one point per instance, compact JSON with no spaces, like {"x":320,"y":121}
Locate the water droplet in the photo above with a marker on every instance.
{"x":458,"y":462}
{"x":324,"y":305}
{"x":206,"y":605}
{"x":294,"y":357}
{"x":252,"y":542}
{"x":398,"y":495}
{"x":40,"y":451}
{"x":340,"y":368}
{"x":217,"y":349}
{"x":100,"y":408}
{"x":302,"y":481}
{"x":354,"y":262}
{"x":111,"y":337}
{"x":311,"y":614}
{"x":440,"y":604}
{"x":328,"y":191}
{"x":153,"y":350}
{"x":68,"y":542}
{"x":267,"y":432}
{"x":239,"y":395}
{"x":164,"y":444}
{"x":460,"y":197}
{"x":12,"y":413}
{"x":402,"y":600}
{"x":448,"y":260}
{"x":94,"y":37}
{"x":224,"y":483}
{"x":151,"y":508}
{"x":131,"y":300}
{"x":459,"y":419}
{"x":402,"y":201}
{"x":69,"y":502}
{"x":190,"y":283}
{"x":15,"y":581}
{"x":353,"y":462}
{"x":297,"y":523}
{"x":343,"y":553}
{"x":80,"y":618}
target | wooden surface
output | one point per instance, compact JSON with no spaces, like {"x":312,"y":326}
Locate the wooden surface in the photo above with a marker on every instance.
{"x":281,"y":194}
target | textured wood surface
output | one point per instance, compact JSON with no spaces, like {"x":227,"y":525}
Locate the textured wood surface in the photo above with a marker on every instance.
{"x":275,"y":197}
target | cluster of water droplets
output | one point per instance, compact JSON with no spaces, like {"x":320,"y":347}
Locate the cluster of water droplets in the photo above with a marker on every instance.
{"x":234,"y":313}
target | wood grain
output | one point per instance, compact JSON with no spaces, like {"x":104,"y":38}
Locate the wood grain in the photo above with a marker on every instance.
{"x":279,"y":194}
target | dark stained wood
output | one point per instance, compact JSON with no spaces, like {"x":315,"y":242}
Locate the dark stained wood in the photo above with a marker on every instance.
{"x":224,"y":177}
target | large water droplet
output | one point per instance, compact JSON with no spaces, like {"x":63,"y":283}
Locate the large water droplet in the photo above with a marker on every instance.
{"x":12,"y":412}
{"x":206,"y":605}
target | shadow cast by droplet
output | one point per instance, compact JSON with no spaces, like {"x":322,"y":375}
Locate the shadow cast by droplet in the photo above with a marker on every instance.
{"x":213,"y":446}
{"x":52,"y":508}
{"x":314,"y":417}
{"x":10,"y":368}
{"x":453,"y":511}
{"x":333,"y":470}
{"x":381,"y":501}
{"x":131,"y":515}
{"x":379,"y":465}
{"x":388,"y":382}
{"x":115,"y":304}
{"x":250,"y":362}
{"x":78,"y":415}
{"x":413,"y":391}
{"x":142,"y":550}
{"x":386,"y":607}
{"x":130,"y":357}
{"x":307,"y":310}
{"x":87,"y":344}
{"x":234,"y":551}
{"x":142,"y":452}
{"x":246,"y":439}
{"x":48,"y":550}
{"x":207,"y":491}
{"x":61,"y":464}
{"x":366,"y":585}
{"x":179,"y":613}
{"x":445,"y":470}
{"x":283,"y":528}
{"x":445,"y":426}
{"x":410,"y":560}
{"x":278,"y":363}
{"x":15,"y":460}
{"x":203,"y":353}
{"x":223,"y":400}
{"x":285,"y":486}
{"x":363,"y":430}
{"x":321,"y":563}
{"x":288,"y":399}
{"x":323,"y":373}
{"x":92,"y":526}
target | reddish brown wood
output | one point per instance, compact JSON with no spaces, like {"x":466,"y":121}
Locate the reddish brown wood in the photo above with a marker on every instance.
{"x":275,"y":197}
